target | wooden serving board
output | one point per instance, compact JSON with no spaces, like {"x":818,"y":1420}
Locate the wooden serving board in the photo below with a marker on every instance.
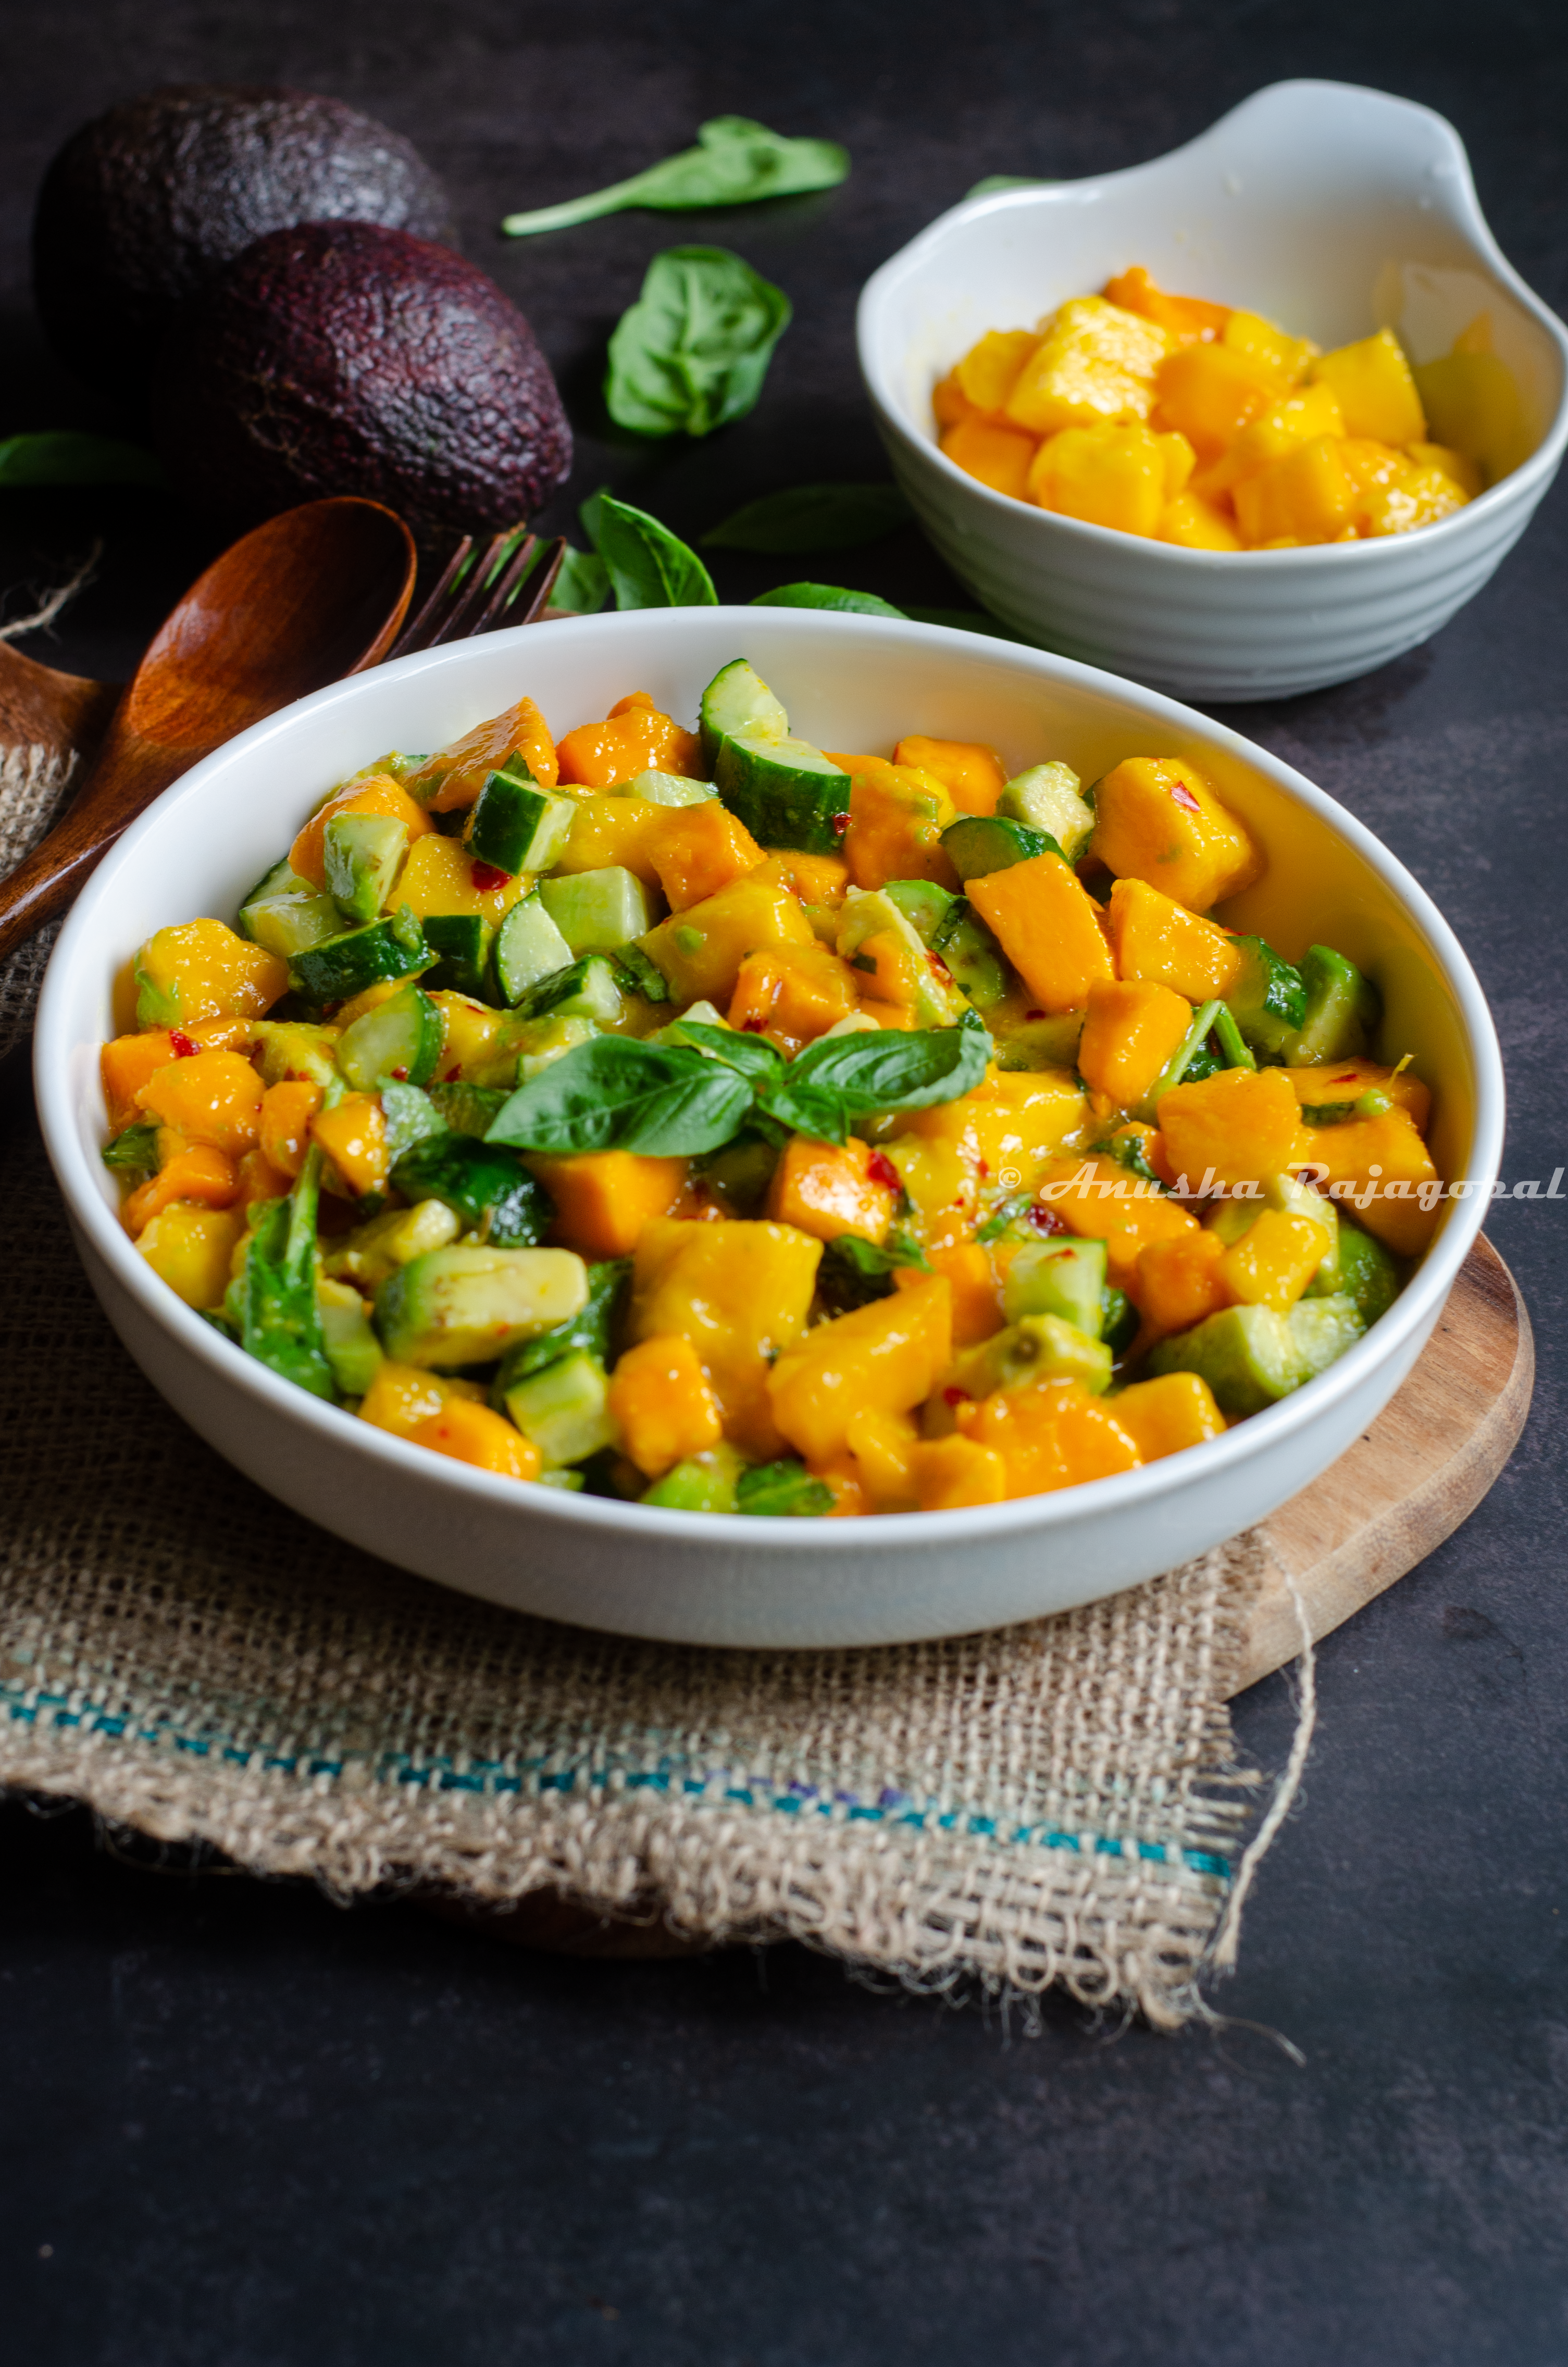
{"x":1404,"y":1485}
{"x":1409,"y":1480}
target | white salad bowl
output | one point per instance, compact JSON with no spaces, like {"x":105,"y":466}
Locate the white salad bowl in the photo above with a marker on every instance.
{"x":847,"y":681}
{"x":1334,"y":211}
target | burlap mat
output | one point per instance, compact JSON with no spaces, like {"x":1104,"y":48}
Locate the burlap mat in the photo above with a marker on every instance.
{"x":1054,"y":1802}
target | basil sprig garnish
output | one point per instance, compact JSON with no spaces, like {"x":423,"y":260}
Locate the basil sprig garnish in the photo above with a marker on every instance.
{"x":678,"y":1099}
{"x":734,"y":163}
{"x":813,"y":517}
{"x":692,"y":352}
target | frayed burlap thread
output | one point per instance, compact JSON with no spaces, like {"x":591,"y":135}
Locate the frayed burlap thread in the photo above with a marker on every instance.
{"x":33,"y":783}
{"x":1057,"y":1803}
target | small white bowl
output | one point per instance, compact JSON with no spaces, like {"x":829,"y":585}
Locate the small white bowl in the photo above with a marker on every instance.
{"x":1332,"y":209}
{"x":855,"y":682}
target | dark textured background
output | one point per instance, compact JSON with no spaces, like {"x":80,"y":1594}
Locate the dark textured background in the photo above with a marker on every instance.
{"x":239,"y":2126}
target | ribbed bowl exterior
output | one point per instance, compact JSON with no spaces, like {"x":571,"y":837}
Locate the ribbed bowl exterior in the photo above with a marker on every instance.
{"x":1214,"y":631}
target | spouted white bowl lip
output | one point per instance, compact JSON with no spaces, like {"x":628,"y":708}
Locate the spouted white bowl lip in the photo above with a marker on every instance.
{"x":73,"y":1127}
{"x":877,"y":360}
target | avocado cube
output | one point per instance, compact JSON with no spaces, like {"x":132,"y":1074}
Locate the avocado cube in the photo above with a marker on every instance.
{"x":1050,"y":1043}
{"x":1268,"y":998}
{"x":465,"y":1306}
{"x":564,"y":1409}
{"x":1050,"y":797}
{"x":924,"y":905}
{"x":1036,"y":1348}
{"x":1250,"y":1357}
{"x":1342,"y":1007}
{"x":1362,"y":1270}
{"x":352,"y":1348}
{"x":598,"y":911}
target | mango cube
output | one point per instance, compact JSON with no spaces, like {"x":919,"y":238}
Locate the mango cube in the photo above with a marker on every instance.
{"x":1095,"y":362}
{"x":885,"y":1358}
{"x":740,"y":1293}
{"x":971,"y":773}
{"x":998,"y":456}
{"x":1052,"y":1435}
{"x":1380,"y":1165}
{"x":1153,"y":937}
{"x":989,"y":371}
{"x":792,"y":995}
{"x":1307,"y":495}
{"x":1238,"y":1126}
{"x":661,"y":1403}
{"x":1275,"y":1259}
{"x":1156,"y":819}
{"x":829,"y":1189}
{"x":191,"y":1248}
{"x":1132,"y":1028}
{"x":1112,"y":476}
{"x":1048,"y":925}
{"x":1179,"y":1282}
{"x":1295,"y":419}
{"x":1208,"y":394}
{"x":1164,"y":1416}
{"x":897,"y":815}
{"x":700,"y":951}
{"x":1420,"y":497}
{"x":1194,"y":523}
{"x":1266,"y":347}
{"x":1376,"y":391}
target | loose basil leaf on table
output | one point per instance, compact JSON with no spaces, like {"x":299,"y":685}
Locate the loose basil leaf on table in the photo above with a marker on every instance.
{"x":841,"y":1078}
{"x":582,"y":585}
{"x":995,"y":181}
{"x":813,"y":517}
{"x":693,"y":351}
{"x":648,"y":566}
{"x":827,"y":595}
{"x":734,"y":163}
{"x":616,"y":1093}
{"x":65,"y":456}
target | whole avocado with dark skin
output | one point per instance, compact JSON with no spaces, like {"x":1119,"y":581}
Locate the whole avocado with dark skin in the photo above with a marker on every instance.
{"x":341,"y":357}
{"x":144,"y":205}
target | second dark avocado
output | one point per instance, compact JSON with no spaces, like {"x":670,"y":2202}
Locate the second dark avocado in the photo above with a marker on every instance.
{"x":144,"y":205}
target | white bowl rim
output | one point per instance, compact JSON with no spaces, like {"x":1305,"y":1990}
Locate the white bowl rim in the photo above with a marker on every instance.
{"x":1417,"y":1306}
{"x":1519,"y":483}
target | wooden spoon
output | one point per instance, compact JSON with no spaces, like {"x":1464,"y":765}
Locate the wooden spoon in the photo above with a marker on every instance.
{"x":311,"y":596}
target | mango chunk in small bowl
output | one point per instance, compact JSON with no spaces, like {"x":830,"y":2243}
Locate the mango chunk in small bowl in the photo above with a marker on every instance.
{"x":1248,"y":420}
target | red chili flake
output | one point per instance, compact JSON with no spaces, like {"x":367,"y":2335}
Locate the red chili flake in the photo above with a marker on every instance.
{"x":983,"y":1169}
{"x":879,"y":1169}
{"x":184,"y":1050}
{"x":1182,"y":796}
{"x":953,"y":1396}
{"x":1045,"y":1220}
{"x":400,"y":1076}
{"x":1034,"y":1015}
{"x":452,"y":1076}
{"x":485,"y":876}
{"x":701,"y":1189}
{"x":753,"y":1027}
{"x":939,"y":966}
{"x":840,"y":825}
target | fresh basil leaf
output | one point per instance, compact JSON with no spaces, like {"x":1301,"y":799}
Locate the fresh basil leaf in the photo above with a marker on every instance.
{"x":648,"y":566}
{"x":995,"y":181}
{"x":582,"y":587}
{"x":753,"y":1056}
{"x":1004,"y":1217}
{"x":136,"y":1149}
{"x":692,"y":352}
{"x":888,"y":1070}
{"x":616,"y":1093}
{"x":785,"y":1488}
{"x":734,"y":163}
{"x":827,"y":595}
{"x":965,"y":620}
{"x":813,"y":517}
{"x":882,"y":1257}
{"x":808,"y":1109}
{"x":589,"y":513}
{"x":63,"y":456}
{"x":854,"y":1273}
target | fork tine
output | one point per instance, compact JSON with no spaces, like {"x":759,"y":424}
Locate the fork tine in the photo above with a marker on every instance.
{"x":417,"y":634}
{"x":510,"y":585}
{"x":540,"y":601}
{"x":460,"y":618}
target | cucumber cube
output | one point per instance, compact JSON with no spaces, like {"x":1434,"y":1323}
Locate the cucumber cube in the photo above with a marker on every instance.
{"x":465,"y":1306}
{"x":738,"y":704}
{"x":1268,"y":998}
{"x":344,"y":966}
{"x":483,"y":1183}
{"x":1343,"y":1008}
{"x":972,"y":954}
{"x":703,"y":1483}
{"x":584,"y":990}
{"x":1050,"y":797}
{"x":516,"y":826}
{"x":982,"y":843}
{"x":528,"y":946}
{"x":924,"y":906}
{"x":286,"y":914}
{"x":564,"y":1409}
{"x":409,"y":1116}
{"x":1037,"y":1348}
{"x":785,"y":791}
{"x":461,"y":941}
{"x":1060,"y":1277}
{"x":398,"y":1042}
{"x":598,"y":911}
{"x":362,"y":854}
